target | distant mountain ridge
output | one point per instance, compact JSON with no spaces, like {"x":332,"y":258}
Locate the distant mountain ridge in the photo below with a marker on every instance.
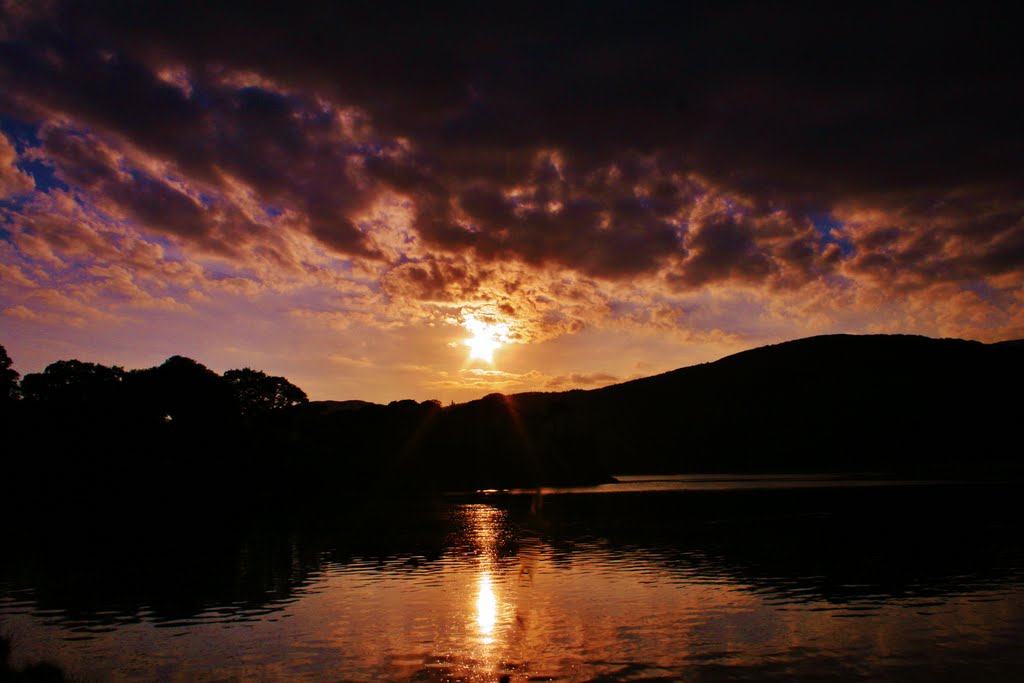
{"x":819,"y":403}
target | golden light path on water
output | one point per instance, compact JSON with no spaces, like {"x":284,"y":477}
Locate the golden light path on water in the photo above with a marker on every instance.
{"x":524,"y":596}
{"x":484,"y":520}
{"x":486,"y":609}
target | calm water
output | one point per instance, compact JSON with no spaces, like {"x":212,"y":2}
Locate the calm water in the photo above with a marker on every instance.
{"x":674,"y":578}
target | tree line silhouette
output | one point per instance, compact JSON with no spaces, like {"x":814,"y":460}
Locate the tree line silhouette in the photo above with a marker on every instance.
{"x":83,"y":431}
{"x":179,"y":436}
{"x":180,"y":388}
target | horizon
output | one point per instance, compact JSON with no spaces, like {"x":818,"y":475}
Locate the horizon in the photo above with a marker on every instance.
{"x":470,"y":399}
{"x":443,"y":204}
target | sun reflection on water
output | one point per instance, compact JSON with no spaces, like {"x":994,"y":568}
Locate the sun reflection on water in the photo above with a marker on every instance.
{"x":485,"y":522}
{"x":486,"y":609}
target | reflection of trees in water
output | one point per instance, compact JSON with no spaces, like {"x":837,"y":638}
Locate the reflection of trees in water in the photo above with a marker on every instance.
{"x":837,"y":545}
{"x":168,"y":575}
{"x":98,"y":573}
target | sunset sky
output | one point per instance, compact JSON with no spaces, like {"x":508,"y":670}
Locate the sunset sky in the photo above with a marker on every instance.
{"x":346,"y":195}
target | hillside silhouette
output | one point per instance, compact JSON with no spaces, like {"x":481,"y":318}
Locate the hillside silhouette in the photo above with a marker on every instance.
{"x":181,"y":437}
{"x":837,"y":402}
{"x":887,"y":403}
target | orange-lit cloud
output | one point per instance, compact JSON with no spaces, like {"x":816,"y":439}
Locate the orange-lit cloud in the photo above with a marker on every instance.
{"x":221,"y":193}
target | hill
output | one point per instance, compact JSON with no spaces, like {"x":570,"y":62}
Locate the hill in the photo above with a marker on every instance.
{"x":837,"y":402}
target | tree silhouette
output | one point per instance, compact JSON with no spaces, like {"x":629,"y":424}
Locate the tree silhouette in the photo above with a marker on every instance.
{"x":9,"y":390}
{"x":259,"y":392}
{"x":72,"y":381}
{"x":182,"y":391}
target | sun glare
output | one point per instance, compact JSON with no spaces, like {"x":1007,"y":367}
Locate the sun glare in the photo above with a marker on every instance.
{"x":487,"y":337}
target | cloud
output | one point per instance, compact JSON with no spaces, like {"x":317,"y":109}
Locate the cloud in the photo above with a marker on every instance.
{"x":26,"y":313}
{"x":124,"y":190}
{"x":965,"y":238}
{"x":346,"y":362}
{"x":594,"y":221}
{"x":16,"y":276}
{"x":710,"y":176}
{"x":484,"y":380}
{"x":13,"y":181}
{"x":580,"y":381}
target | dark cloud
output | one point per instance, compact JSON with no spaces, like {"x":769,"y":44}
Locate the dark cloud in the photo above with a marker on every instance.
{"x":290,"y":150}
{"x":433,"y":279}
{"x":582,"y":136}
{"x":962,"y":237}
{"x":724,"y":249}
{"x":610,"y":239}
{"x":148,"y":200}
{"x":855,"y":98}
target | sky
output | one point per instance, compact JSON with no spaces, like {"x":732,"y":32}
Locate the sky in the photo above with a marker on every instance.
{"x":346,"y":194}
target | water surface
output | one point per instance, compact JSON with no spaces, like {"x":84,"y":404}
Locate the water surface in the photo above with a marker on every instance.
{"x":662,"y":578}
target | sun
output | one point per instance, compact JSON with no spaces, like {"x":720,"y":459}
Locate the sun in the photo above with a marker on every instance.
{"x":487,"y":337}
{"x":481,"y":347}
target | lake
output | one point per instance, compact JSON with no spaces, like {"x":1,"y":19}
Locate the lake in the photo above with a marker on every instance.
{"x":690,"y":578}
